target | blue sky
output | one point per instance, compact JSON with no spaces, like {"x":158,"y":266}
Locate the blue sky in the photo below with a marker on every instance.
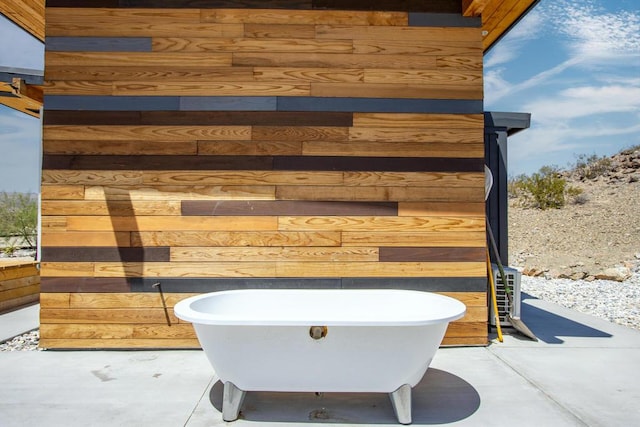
{"x":574,"y":65}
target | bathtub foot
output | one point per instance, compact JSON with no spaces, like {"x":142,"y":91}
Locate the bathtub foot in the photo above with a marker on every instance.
{"x":401,"y":401}
{"x":232,"y":398}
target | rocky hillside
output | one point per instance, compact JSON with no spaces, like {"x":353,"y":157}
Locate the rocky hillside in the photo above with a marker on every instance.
{"x":596,"y":238}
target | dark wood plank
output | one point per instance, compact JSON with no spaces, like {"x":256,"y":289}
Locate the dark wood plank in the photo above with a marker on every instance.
{"x":209,"y":118}
{"x":184,"y":4}
{"x":287,"y":208}
{"x":157,"y":162}
{"x":381,"y":164}
{"x":285,"y":163}
{"x":440,"y":254}
{"x":106,"y":254}
{"x":436,"y":6}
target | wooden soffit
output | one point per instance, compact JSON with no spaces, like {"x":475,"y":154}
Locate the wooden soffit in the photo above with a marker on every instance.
{"x":21,"y":96}
{"x":498,"y":16}
{"x":28,"y":14}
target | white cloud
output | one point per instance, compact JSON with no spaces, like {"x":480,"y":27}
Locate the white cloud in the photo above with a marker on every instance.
{"x":509,"y":48}
{"x":594,"y":33}
{"x":586,"y":101}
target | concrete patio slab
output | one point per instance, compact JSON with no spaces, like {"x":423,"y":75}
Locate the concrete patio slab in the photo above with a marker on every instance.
{"x":583,"y":371}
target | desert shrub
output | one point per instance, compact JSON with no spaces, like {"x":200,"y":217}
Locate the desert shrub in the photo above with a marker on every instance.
{"x":591,"y":167}
{"x":545,"y":189}
{"x":19,"y":217}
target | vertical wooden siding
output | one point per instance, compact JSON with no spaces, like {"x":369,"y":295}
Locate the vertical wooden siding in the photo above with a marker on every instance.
{"x":225,"y":148}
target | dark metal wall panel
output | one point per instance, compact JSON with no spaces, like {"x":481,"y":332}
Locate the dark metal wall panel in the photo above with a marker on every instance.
{"x":377,"y":105}
{"x":201,"y":285}
{"x":111,"y":103}
{"x":443,"y":20}
{"x":224,"y":103}
{"x":292,"y":103}
{"x":98,"y":44}
{"x":432,"y":6}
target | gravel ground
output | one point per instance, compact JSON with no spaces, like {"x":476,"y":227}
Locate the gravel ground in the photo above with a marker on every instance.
{"x":24,"y":342}
{"x":617,"y":302}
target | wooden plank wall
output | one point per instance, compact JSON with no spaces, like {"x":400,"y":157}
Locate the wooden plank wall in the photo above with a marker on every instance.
{"x":19,"y":284}
{"x":211,"y":149}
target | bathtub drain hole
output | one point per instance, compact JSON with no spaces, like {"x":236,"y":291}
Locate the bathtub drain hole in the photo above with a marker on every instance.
{"x":318,"y":332}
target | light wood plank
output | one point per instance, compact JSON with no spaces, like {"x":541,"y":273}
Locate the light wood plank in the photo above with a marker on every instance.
{"x":256,"y":254}
{"x":242,"y":239}
{"x":395,"y":134}
{"x":417,"y":121}
{"x":115,"y":208}
{"x":181,"y":192}
{"x":141,"y":28}
{"x":52,"y":343}
{"x":300,"y":133}
{"x":149,"y":59}
{"x":294,"y":31}
{"x":399,"y":194}
{"x":377,"y":269}
{"x":393,"y":89}
{"x":116,"y":16}
{"x":72,"y":182}
{"x":55,"y":300}
{"x":178,"y":44}
{"x":142,"y":74}
{"x":106,"y":315}
{"x":78,"y":88}
{"x":188,"y":88}
{"x":66,"y":269}
{"x":170,"y":223}
{"x":452,"y":79}
{"x":62,"y":192}
{"x":145,"y":133}
{"x":291,"y":74}
{"x":416,"y":47}
{"x":416,"y":239}
{"x":380,"y":224}
{"x":441,"y":209}
{"x":277,"y":16}
{"x":393,"y":149}
{"x":190,"y":269}
{"x":414,"y":179}
{"x":250,"y":148}
{"x":333,"y":60}
{"x":129,"y":300}
{"x":337,"y":31}
{"x":246,"y":177}
{"x":91,"y":239}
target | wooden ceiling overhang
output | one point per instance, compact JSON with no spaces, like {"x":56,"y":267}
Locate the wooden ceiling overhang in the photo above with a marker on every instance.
{"x":498,"y":16}
{"x":19,"y":95}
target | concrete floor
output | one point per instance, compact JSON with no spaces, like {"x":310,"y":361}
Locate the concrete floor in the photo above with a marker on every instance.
{"x":583,"y":372}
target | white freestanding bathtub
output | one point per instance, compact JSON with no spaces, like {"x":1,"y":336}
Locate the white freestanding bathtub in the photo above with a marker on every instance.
{"x":328,"y":340}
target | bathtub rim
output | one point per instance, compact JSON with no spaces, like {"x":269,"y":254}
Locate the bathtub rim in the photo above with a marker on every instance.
{"x":184,"y":311}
